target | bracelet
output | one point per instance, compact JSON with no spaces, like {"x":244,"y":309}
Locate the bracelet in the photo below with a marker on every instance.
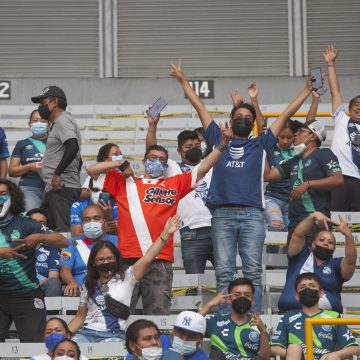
{"x":124,"y":166}
{"x":309,"y":187}
{"x":162,"y":239}
{"x":221,"y":147}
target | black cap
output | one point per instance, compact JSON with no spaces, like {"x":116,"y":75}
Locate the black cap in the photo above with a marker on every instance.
{"x":54,"y":91}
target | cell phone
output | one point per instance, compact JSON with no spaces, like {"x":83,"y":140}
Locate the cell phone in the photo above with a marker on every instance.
{"x":157,"y":107}
{"x":317,"y":81}
{"x":104,"y":196}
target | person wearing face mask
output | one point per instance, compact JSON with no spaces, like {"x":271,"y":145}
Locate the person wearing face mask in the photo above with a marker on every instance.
{"x":346,"y":139}
{"x":196,"y":243}
{"x":26,"y":161}
{"x":313,"y":173}
{"x":329,"y":342}
{"x":144,"y":341}
{"x":105,"y":297}
{"x":90,"y":193}
{"x":61,"y":163}
{"x":74,"y":259}
{"x":236,"y":190}
{"x":187,"y":335}
{"x":21,"y":299}
{"x":4,"y":154}
{"x":318,"y":258}
{"x":238,"y":333}
{"x":66,"y":350}
{"x":144,"y":205}
{"x":56,"y":330}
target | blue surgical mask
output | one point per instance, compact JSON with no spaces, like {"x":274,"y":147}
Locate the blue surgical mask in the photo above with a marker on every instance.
{"x":155,"y":168}
{"x":39,"y":129}
{"x":44,"y":111}
{"x":183,"y":347}
{"x":4,"y":199}
{"x":93,"y":230}
{"x":53,"y":339}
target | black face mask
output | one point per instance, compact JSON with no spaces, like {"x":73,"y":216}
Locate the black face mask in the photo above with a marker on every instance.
{"x":309,"y":297}
{"x":241,"y":305}
{"x":242,"y":127}
{"x":44,"y":111}
{"x":193,"y":155}
{"x":107,"y":267}
{"x":323,"y":253}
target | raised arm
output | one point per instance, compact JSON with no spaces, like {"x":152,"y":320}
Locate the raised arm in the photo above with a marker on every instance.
{"x":216,"y":154}
{"x":297,"y":241}
{"x":195,"y":101}
{"x":151,"y":132}
{"x":140,"y":267}
{"x":348,"y":262}
{"x":271,"y":174}
{"x":330,"y":54}
{"x":314,"y":106}
{"x":291,"y":109}
{"x":254,"y":94}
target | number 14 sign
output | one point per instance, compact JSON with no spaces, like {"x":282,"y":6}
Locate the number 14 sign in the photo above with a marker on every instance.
{"x":204,"y":89}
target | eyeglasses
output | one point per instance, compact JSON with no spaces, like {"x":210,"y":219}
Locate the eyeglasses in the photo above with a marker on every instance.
{"x":101,"y":260}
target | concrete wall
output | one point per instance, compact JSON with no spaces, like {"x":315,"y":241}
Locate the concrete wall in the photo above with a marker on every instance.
{"x":273,"y":90}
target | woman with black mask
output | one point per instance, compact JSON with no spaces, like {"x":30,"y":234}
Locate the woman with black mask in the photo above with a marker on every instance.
{"x":318,"y":258}
{"x":105,"y":298}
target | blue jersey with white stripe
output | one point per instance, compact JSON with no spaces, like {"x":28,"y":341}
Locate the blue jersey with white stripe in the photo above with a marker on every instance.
{"x":238,"y":176}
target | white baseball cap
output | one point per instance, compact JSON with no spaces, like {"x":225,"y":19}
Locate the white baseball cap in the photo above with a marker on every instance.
{"x":191,"y":321}
{"x":316,"y":126}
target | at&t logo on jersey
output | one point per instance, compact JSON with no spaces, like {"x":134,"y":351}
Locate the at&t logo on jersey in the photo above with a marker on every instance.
{"x":236,"y":153}
{"x":160,"y":196}
{"x":201,"y":191}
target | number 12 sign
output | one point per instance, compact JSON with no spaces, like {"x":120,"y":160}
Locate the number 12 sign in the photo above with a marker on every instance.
{"x":204,"y":89}
{"x":4,"y":90}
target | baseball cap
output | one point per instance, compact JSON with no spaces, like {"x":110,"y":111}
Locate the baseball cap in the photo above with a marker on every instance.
{"x":191,"y":321}
{"x":54,"y":91}
{"x":316,"y":126}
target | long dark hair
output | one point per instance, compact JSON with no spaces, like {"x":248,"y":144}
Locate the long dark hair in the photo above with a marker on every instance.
{"x":104,"y":151}
{"x":92,"y":277}
{"x":17,"y":197}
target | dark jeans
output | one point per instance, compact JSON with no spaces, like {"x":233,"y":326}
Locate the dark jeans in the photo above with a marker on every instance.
{"x":27,"y":311}
{"x":58,"y":204}
{"x":347,"y":197}
{"x":196,"y":249}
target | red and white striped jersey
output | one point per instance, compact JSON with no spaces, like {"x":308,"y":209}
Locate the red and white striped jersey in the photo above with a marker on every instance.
{"x":143,"y":209}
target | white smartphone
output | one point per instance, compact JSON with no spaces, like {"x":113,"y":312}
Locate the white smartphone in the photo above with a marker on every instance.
{"x":157,"y":107}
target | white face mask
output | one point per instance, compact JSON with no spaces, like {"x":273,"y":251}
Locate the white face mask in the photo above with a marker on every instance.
{"x":6,"y":207}
{"x":63,"y":357}
{"x":151,"y":353}
{"x":299,"y":149}
{"x":183,"y":347}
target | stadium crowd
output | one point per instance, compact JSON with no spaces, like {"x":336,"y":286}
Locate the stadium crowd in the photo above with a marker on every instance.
{"x":121,"y":246}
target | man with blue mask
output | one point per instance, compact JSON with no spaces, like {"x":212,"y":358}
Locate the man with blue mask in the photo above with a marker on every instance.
{"x":144,"y":205}
{"x":73,"y":259}
{"x":21,"y":299}
{"x":61,"y":162}
{"x":187,"y":335}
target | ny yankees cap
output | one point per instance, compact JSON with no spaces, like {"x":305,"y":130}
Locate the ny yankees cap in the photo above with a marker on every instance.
{"x":54,"y":91}
{"x":191,"y":321}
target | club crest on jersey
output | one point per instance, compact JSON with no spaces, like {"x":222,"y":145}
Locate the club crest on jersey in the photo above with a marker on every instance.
{"x":15,"y":235}
{"x":160,"y":196}
{"x":254,"y":336}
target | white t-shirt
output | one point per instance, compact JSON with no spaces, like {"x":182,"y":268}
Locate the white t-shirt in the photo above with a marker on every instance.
{"x":192,"y":209}
{"x":98,"y":317}
{"x":341,"y":145}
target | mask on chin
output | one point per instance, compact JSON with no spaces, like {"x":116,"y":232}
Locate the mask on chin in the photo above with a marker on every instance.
{"x":300,"y":148}
{"x":242,"y":127}
{"x":5,"y":201}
